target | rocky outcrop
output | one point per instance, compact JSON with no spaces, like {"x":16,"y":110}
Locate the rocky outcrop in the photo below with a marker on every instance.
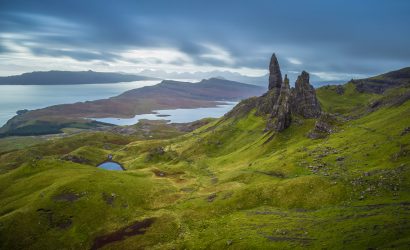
{"x":282,"y":110}
{"x":304,"y":101}
{"x":268,"y":100}
{"x":340,"y":90}
{"x":324,"y":126}
{"x":281,"y":102}
{"x":275,"y":76}
{"x":379,"y":84}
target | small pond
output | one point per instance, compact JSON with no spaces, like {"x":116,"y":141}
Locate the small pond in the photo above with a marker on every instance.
{"x":111,"y":165}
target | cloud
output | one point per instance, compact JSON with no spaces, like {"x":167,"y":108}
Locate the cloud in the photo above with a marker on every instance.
{"x":198,"y":35}
{"x":217,"y":54}
{"x":294,"y":61}
{"x":78,"y":55}
{"x":156,"y":56}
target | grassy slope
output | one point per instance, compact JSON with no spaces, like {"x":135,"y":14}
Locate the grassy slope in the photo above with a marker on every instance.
{"x":223,"y":185}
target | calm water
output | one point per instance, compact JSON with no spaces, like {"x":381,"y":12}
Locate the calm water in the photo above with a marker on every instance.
{"x":110,"y":165}
{"x":16,"y":97}
{"x":175,"y":115}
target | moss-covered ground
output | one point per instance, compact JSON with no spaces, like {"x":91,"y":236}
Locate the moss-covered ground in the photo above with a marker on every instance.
{"x":227,"y":184}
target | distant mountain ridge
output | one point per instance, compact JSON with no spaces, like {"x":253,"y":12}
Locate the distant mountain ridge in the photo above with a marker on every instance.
{"x":221,"y":74}
{"x":165,"y":95}
{"x":55,"y":77}
{"x":234,"y":76}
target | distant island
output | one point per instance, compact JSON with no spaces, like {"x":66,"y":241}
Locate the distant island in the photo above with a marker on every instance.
{"x":55,"y":77}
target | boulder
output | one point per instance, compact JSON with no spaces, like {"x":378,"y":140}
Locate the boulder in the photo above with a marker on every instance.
{"x":340,"y":90}
{"x":324,"y":126}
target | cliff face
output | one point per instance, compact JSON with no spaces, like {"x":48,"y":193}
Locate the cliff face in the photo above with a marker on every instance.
{"x":275,"y":76}
{"x":304,"y":101}
{"x":281,"y":113}
{"x":281,"y":102}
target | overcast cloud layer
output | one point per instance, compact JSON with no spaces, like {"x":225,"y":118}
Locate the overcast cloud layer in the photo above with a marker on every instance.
{"x":331,"y":39}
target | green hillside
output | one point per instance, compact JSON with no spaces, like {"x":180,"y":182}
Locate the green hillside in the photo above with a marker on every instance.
{"x":228,"y":184}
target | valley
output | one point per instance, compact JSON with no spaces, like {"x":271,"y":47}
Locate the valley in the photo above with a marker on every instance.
{"x":295,"y":168}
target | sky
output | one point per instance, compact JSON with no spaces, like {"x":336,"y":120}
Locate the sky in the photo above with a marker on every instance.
{"x":330,"y":39}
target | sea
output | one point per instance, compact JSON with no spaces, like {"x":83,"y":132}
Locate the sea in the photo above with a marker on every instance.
{"x":19,"y":97}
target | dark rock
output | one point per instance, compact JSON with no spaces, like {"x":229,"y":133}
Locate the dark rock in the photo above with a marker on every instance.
{"x":324,"y":126}
{"x":381,"y":83}
{"x":67,"y":196}
{"x":405,"y":131}
{"x":314,"y":135}
{"x":267,"y":101}
{"x":211,"y":197}
{"x":75,"y":159}
{"x":275,"y":76}
{"x":109,"y":198}
{"x":403,"y":152}
{"x":159,"y":150}
{"x":155,"y":152}
{"x":159,"y":173}
{"x":304,"y":101}
{"x":401,"y":99}
{"x":54,"y":221}
{"x":340,"y":90}
{"x":375,"y":104}
{"x":281,"y":111}
{"x":244,"y":107}
{"x":377,"y":86}
{"x":64,"y":223}
{"x":136,"y":228}
{"x":22,"y":111}
{"x":280,"y":102}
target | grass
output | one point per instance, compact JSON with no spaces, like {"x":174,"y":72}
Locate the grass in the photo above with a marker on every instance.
{"x":18,"y":142}
{"x":351,"y":101}
{"x":225,"y":185}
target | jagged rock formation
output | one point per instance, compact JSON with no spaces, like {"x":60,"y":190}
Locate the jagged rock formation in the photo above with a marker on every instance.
{"x":280,"y":102}
{"x":304,"y":101}
{"x":275,"y":76}
{"x":282,"y":109}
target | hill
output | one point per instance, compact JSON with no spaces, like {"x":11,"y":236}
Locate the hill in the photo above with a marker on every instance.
{"x":233,"y":76}
{"x":166,"y":95}
{"x":55,"y":77}
{"x":338,"y":179}
{"x":380,"y":83}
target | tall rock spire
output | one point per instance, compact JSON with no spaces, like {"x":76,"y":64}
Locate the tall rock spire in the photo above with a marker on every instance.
{"x":282,"y":102}
{"x":275,"y":76}
{"x":304,"y":101}
{"x":283,"y":112}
